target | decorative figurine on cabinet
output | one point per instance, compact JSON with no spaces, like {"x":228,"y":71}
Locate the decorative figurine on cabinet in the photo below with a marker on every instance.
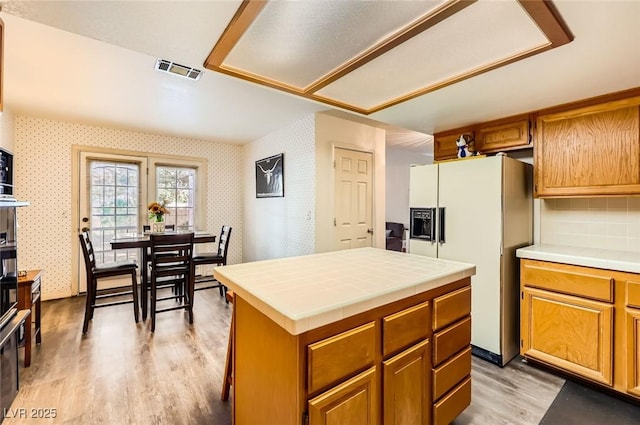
{"x":464,"y":142}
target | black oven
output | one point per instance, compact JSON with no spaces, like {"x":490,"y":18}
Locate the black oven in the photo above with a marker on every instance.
{"x":422,"y":224}
{"x":8,"y":263}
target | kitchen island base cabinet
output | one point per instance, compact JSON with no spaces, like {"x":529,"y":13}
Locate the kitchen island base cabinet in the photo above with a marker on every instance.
{"x":314,"y":377}
{"x":353,"y":402}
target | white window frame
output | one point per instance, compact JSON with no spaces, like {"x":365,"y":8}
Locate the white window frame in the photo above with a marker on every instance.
{"x":200,"y":165}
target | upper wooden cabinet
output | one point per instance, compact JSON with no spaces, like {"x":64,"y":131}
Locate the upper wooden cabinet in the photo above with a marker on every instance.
{"x":589,"y":151}
{"x":1,"y":64}
{"x":444,"y":144}
{"x":504,"y":135}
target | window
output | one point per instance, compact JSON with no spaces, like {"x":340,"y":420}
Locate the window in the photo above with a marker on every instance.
{"x":113,"y":206}
{"x":176,"y":186}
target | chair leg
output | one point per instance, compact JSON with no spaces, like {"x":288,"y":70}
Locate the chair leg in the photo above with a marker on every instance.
{"x":94,"y":294}
{"x":87,"y":309}
{"x":153,"y":305}
{"x":134,"y":287}
{"x":190,"y":293}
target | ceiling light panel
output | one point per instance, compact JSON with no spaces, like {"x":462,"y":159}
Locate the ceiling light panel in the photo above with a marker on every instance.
{"x":298,"y":42}
{"x":479,"y":36}
{"x":365,"y":56}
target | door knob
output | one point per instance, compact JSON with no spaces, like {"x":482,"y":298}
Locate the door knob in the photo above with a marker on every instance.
{"x":370,"y":231}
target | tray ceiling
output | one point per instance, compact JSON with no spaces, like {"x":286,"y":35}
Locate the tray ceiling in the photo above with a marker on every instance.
{"x":367,"y":56}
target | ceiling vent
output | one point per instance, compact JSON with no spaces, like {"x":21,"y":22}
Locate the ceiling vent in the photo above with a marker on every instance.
{"x":177,"y":69}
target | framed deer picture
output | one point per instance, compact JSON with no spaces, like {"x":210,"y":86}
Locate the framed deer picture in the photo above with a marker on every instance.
{"x":270,"y":177}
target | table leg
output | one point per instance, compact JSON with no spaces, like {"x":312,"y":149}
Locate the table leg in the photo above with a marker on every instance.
{"x":38,"y":312}
{"x":27,"y":342}
{"x":144,"y":288}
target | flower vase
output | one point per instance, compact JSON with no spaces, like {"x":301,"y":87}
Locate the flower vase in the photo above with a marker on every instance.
{"x":157,"y":226}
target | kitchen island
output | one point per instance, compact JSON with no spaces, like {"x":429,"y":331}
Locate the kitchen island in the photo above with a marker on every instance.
{"x":362,"y":336}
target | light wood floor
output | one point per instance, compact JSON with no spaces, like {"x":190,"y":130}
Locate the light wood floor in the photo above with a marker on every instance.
{"x":120,"y":373}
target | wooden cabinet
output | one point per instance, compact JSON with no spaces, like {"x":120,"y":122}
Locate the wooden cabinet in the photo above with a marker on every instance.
{"x":1,"y":64}
{"x":593,"y":150}
{"x":573,"y":333}
{"x":633,"y":351}
{"x":503,"y":135}
{"x":372,"y":368}
{"x":444,"y":144}
{"x":633,"y":337}
{"x":407,"y":386}
{"x":451,"y":355}
{"x":352,"y":402}
{"x":584,"y":321}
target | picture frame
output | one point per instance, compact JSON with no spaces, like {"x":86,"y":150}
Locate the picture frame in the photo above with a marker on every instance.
{"x":270,"y":177}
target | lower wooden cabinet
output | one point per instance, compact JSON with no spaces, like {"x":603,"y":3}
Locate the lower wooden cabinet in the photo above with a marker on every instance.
{"x":633,"y":351}
{"x":573,"y":333}
{"x":372,"y":368}
{"x":352,"y":402}
{"x":584,"y":321}
{"x":406,"y":385}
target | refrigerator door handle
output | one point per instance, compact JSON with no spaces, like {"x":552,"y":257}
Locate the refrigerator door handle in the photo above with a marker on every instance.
{"x":441,"y":215}
{"x":432,"y":235}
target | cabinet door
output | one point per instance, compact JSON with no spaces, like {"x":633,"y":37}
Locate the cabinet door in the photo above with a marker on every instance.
{"x":444,"y":144}
{"x":593,"y":150}
{"x":572,"y":333}
{"x":407,"y":383}
{"x":503,"y":135}
{"x":354,"y":402}
{"x":633,"y":351}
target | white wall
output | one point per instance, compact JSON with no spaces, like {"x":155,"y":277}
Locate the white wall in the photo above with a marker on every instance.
{"x":281,"y":227}
{"x":7,"y":130}
{"x":337,"y":132}
{"x":43,"y":177}
{"x":398,"y":161}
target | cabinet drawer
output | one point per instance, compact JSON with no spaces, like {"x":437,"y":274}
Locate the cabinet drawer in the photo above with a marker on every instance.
{"x":451,"y":372}
{"x":340,"y":356}
{"x":633,"y":294}
{"x":572,"y":280}
{"x":452,"y":404}
{"x":451,"y":307}
{"x":405,"y":328}
{"x":451,"y":340}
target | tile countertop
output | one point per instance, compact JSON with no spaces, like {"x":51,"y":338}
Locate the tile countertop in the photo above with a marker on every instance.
{"x":623,"y":261}
{"x":306,"y":292}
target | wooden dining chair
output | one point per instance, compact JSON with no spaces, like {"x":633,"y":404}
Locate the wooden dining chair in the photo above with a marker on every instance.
{"x":171,"y":265}
{"x":218,"y":258}
{"x":95,"y":272}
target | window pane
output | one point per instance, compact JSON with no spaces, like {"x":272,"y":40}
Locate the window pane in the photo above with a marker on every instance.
{"x":176,"y":186}
{"x":114,"y":207}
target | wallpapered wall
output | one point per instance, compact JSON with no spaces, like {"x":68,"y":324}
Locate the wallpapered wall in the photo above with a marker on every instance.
{"x":43,"y":177}
{"x":282,"y":227}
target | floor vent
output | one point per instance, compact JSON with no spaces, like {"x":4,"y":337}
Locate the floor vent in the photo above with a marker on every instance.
{"x":177,"y":69}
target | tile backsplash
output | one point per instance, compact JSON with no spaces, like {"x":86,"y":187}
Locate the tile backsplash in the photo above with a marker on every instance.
{"x":610,"y":223}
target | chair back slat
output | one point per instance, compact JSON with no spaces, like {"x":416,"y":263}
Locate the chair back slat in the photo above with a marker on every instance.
{"x":171,"y":254}
{"x":223,"y":246}
{"x":87,"y":250}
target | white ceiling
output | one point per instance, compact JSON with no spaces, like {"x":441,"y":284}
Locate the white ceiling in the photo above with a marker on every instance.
{"x":93,"y":61}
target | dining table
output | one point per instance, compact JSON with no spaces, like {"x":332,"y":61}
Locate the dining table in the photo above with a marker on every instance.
{"x":142,"y":241}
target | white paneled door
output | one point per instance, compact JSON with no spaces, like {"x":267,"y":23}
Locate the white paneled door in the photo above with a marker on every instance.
{"x":353,"y":198}
{"x":111,"y":189}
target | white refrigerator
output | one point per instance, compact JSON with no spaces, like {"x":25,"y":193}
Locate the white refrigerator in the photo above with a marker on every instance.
{"x":481,"y":211}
